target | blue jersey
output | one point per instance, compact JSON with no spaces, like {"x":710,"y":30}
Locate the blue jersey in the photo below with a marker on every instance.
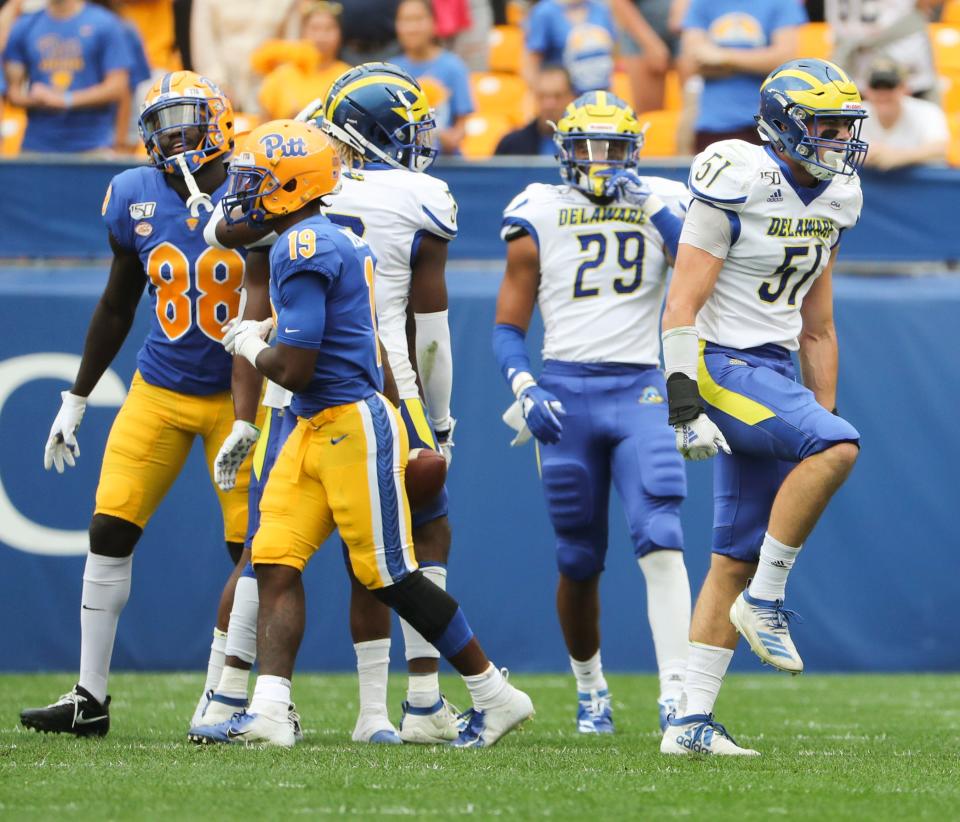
{"x":193,"y":288}
{"x":70,"y":54}
{"x":321,"y":287}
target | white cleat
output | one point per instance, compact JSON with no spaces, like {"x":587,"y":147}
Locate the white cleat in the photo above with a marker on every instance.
{"x":247,"y":729}
{"x":217,"y":708}
{"x":294,"y":718}
{"x":436,"y":725}
{"x":700,"y":734}
{"x":376,"y":729}
{"x":485,"y":728}
{"x":763,"y":624}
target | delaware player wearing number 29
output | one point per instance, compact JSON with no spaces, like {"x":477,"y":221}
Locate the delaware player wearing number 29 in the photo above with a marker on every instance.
{"x":594,"y":255}
{"x":181,"y":389}
{"x":753,"y":283}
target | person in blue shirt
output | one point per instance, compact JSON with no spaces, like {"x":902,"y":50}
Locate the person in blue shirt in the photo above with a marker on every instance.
{"x":69,"y":66}
{"x":732,"y":44}
{"x":442,"y":75}
{"x":577,"y":34}
{"x":343,"y":465}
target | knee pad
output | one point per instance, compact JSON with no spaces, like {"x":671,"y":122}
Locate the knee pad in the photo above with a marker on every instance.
{"x":427,"y":607}
{"x":829,"y":430}
{"x":570,"y":500}
{"x":664,"y":530}
{"x":663,"y":474}
{"x":235,"y":549}
{"x":579,"y":562}
{"x":113,"y":537}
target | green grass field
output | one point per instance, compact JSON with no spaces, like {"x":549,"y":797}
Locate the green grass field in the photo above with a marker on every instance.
{"x":834,"y":747}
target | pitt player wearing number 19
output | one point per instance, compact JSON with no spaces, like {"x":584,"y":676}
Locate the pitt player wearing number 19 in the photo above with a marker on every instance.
{"x":753,"y":283}
{"x":594,"y":255}
{"x":181,"y":389}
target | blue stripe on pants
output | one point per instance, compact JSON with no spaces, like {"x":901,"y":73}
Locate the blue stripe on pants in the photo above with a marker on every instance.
{"x":386,"y":484}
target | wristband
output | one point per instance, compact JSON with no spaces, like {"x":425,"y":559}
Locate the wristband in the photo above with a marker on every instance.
{"x":683,"y":397}
{"x":250,"y":347}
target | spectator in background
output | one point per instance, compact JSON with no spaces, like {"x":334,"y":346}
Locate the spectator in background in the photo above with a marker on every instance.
{"x":472,"y":44}
{"x":69,"y":66}
{"x":223,"y":35}
{"x":576,"y":34}
{"x":733,"y":45}
{"x":647,"y":47}
{"x":153,"y":19}
{"x":443,"y":76}
{"x":369,"y":31}
{"x":901,"y":130}
{"x":552,"y":93}
{"x":298,"y":72}
{"x":864,"y":30}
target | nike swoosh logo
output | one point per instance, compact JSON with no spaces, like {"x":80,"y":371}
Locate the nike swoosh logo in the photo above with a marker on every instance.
{"x":335,"y":440}
{"x":291,"y":330}
{"x":84,"y":720}
{"x":88,"y":608}
{"x":232,"y":734}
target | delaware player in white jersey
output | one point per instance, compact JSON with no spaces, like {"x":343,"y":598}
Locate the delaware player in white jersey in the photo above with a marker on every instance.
{"x":752,"y":284}
{"x":594,"y":254}
{"x":408,"y":218}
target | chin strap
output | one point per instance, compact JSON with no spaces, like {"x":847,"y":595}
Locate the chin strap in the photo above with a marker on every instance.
{"x":197,"y":198}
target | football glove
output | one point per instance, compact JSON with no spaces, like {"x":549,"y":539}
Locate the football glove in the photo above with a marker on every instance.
{"x":445,"y":439}
{"x":233,"y":452}
{"x":62,"y":447}
{"x":700,"y":439}
{"x":542,"y":412}
{"x":629,"y":187}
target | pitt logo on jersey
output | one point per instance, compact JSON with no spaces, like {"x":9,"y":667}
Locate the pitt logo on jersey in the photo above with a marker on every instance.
{"x":601,"y":214}
{"x":274,"y":146}
{"x":801,"y":227}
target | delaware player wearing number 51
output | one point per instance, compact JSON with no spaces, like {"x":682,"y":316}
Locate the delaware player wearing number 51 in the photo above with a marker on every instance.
{"x":181,"y":389}
{"x":753,"y":282}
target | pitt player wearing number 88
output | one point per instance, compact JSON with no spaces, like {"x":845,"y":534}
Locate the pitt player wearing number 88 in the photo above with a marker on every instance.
{"x":594,"y":254}
{"x":752,"y":284}
{"x":181,"y":389}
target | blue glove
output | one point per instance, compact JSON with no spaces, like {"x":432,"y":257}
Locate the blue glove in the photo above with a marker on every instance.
{"x":628,"y":186}
{"x":542,"y":412}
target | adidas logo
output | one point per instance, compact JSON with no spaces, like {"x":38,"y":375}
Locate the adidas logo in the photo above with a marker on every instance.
{"x":776,"y":197}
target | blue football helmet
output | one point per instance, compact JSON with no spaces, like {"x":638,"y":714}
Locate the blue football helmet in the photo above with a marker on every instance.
{"x":381,"y":112}
{"x":597,"y":135}
{"x":801,"y":104}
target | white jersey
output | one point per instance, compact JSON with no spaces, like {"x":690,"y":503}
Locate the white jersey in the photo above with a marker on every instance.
{"x":781,"y":239}
{"x":391,"y":209}
{"x":603,"y":270}
{"x":855,"y":20}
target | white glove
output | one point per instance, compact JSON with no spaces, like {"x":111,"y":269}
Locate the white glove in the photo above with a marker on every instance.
{"x":233,"y":452}
{"x":700,"y":439}
{"x":249,"y":338}
{"x":444,"y":432}
{"x":513,"y":417}
{"x":62,"y":446}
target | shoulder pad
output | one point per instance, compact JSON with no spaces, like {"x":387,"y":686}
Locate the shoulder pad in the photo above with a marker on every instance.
{"x":723,"y":173}
{"x":438,"y":208}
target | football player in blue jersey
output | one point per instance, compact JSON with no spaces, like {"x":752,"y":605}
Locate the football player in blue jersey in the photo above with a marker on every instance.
{"x":181,"y":390}
{"x":343,"y":465}
{"x":594,"y":254}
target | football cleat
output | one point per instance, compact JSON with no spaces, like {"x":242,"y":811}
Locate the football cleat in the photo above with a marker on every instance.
{"x":76,"y":712}
{"x":437,"y":724}
{"x":700,"y":734}
{"x":295,"y":721}
{"x":763,"y":624}
{"x":484,"y":729}
{"x":668,"y":707}
{"x":594,"y":712}
{"x":246,"y":729}
{"x":215,"y":708}
{"x":376,"y":729}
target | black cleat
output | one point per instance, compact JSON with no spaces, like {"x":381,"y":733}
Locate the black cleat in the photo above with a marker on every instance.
{"x":76,"y":712}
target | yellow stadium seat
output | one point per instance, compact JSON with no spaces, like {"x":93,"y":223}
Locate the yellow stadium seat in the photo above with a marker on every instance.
{"x":506,"y":48}
{"x":621,"y":86}
{"x":661,"y":136}
{"x":516,"y":12}
{"x":504,"y":94}
{"x":483,"y":133}
{"x":12,"y":126}
{"x":953,"y":155}
{"x":815,"y":40}
{"x":951,"y":12}
{"x":945,"y":39}
{"x":950,"y":92}
{"x":672,"y":92}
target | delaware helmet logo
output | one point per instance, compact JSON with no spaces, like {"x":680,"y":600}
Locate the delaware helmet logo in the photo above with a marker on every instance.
{"x":274,"y":146}
{"x":650,"y":396}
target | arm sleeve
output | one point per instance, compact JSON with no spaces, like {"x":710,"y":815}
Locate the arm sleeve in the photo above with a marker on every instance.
{"x":710,"y":229}
{"x":301,"y":315}
{"x":510,"y":349}
{"x":435,"y":364}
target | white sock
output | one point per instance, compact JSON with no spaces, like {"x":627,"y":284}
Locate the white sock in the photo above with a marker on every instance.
{"x":776,"y":560}
{"x":373,"y":666}
{"x":106,"y":589}
{"x":423,"y":690}
{"x":416,"y":646}
{"x":271,"y":697}
{"x":233,"y":682}
{"x":706,"y":667}
{"x":668,"y":610}
{"x":215,"y":664}
{"x":242,"y":631}
{"x":589,"y":674}
{"x":487,"y":690}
